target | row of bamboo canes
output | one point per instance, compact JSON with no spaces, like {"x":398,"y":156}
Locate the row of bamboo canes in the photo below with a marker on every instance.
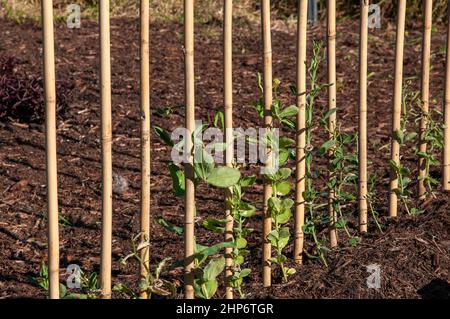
{"x":106,"y":128}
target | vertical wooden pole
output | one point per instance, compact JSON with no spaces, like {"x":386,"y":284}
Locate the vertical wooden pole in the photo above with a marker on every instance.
{"x":331,"y":55}
{"x":50,"y":147}
{"x":397,"y":105}
{"x":145,"y":140}
{"x":362,"y":127}
{"x":228,"y":105}
{"x":425,"y":93}
{"x":190,"y":127}
{"x":446,"y":157}
{"x":106,"y":127}
{"x":300,"y":168}
{"x":267,"y":77}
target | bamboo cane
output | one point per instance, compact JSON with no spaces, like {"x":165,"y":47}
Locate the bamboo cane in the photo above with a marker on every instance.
{"x":446,"y":157}
{"x":50,"y":146}
{"x":105,"y":78}
{"x":145,"y":141}
{"x":331,"y":54}
{"x":228,"y":114}
{"x":301,"y":130}
{"x":397,"y":105}
{"x":190,"y":127}
{"x":267,"y":77}
{"x":425,"y":94}
{"x":362,"y":127}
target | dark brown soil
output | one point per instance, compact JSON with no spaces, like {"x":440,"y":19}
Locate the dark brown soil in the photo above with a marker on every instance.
{"x":412,"y":253}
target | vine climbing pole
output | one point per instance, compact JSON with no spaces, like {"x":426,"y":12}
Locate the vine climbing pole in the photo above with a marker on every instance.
{"x":190,"y":127}
{"x":300,"y":168}
{"x":425,"y":95}
{"x":331,"y":57}
{"x":267,"y":78}
{"x":145,"y":141}
{"x":50,"y":147}
{"x":446,"y":157}
{"x":397,"y":105}
{"x":362,"y":125}
{"x":106,"y":128}
{"x":228,"y":115}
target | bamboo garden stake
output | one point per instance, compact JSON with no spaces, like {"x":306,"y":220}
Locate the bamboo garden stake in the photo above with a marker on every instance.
{"x":50,"y":146}
{"x":145,"y":140}
{"x":228,"y":114}
{"x":190,"y":127}
{"x":105,"y":78}
{"x":362,"y":127}
{"x":446,"y":157}
{"x":300,"y":168}
{"x":331,"y":55}
{"x":267,"y":76}
{"x":397,"y":104}
{"x":425,"y":93}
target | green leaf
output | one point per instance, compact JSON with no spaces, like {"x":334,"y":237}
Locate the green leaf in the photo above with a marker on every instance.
{"x":354,"y":241}
{"x":284,"y":216}
{"x":223,"y":177}
{"x":246,"y":210}
{"x":275,"y":109}
{"x":259,"y":106}
{"x":329,"y":113}
{"x":341,"y":223}
{"x":290,"y":271}
{"x":288,"y":203}
{"x":219,"y":120}
{"x":245,"y":272}
{"x":215,"y":225}
{"x":241,"y":243}
{"x":394,"y":166}
{"x":281,"y":174}
{"x":203,"y":163}
{"x":275,"y":204}
{"x":209,"y":288}
{"x":163,"y":135}
{"x":282,"y":188}
{"x":284,"y":237}
{"x":283,"y":156}
{"x":281,"y":259}
{"x":273,"y":237}
{"x":415,"y":211}
{"x":399,"y":136}
{"x":170,"y":227}
{"x":246,"y":181}
{"x":289,"y":112}
{"x":214,"y":268}
{"x":204,"y":252}
{"x":62,"y":291}
{"x":284,"y":173}
{"x":178,"y":180}
{"x":285,"y":142}
{"x":239,"y":260}
{"x":326,"y":147}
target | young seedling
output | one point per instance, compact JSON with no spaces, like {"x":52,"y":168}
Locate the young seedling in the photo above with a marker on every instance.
{"x":280,"y":208}
{"x":152,"y":284}
{"x":403,"y":137}
{"x":89,"y":285}
{"x":241,"y":211}
{"x":371,"y":200}
{"x":433,"y":136}
{"x":205,"y":171}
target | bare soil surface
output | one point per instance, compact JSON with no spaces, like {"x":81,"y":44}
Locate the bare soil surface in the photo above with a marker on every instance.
{"x":413,"y":252}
